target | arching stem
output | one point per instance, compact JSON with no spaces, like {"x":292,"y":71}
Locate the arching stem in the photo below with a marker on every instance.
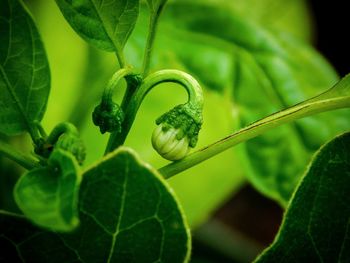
{"x":195,"y":97}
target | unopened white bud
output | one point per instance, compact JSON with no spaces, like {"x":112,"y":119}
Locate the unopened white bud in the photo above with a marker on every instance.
{"x":166,"y":143}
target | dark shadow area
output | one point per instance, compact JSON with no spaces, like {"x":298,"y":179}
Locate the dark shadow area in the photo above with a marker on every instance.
{"x":332,"y":32}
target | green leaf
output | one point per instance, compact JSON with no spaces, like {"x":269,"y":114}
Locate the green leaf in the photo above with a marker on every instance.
{"x":105,"y":24}
{"x":49,"y":195}
{"x":155,"y":5}
{"x":244,"y":58}
{"x":127,"y":214}
{"x":24,"y":70}
{"x":316,"y":227}
{"x":292,"y":16}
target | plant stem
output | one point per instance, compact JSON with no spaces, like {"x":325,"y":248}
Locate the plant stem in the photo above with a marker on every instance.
{"x":149,"y":45}
{"x":315,"y":105}
{"x":121,"y":59}
{"x":192,"y":87}
{"x":61,"y":128}
{"x":152,"y":29}
{"x":24,"y":160}
{"x":133,"y":82}
{"x":114,"y":82}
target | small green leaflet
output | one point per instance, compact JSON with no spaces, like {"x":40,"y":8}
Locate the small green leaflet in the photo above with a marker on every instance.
{"x":49,"y":195}
{"x":127,"y":214}
{"x":105,"y":24}
{"x":316,"y":227}
{"x":24,"y":70}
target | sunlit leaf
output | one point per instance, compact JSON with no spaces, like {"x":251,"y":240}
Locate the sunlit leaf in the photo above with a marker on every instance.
{"x":49,"y":195}
{"x":105,"y":24}
{"x":24,"y":70}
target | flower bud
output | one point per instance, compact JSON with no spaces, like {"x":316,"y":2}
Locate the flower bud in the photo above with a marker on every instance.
{"x":167,"y":144}
{"x":177,"y":131}
{"x":72,"y":144}
{"x":108,"y":117}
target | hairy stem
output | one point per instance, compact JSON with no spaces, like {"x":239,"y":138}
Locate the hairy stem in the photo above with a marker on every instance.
{"x":24,"y":160}
{"x":195,"y":96}
{"x":310,"y":107}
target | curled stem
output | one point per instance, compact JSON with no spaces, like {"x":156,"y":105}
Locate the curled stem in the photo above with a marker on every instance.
{"x":64,"y":127}
{"x":113,"y":83}
{"x":195,"y":97}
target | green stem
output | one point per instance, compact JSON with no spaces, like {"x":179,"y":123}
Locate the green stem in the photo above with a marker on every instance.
{"x":195,"y":97}
{"x":133,"y":82}
{"x":24,"y":160}
{"x":310,"y":107}
{"x":61,"y":128}
{"x":121,"y":59}
{"x":149,"y":45}
{"x":152,"y":29}
{"x":114,"y":82}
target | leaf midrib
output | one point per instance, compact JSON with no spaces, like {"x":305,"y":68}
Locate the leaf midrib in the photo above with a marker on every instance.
{"x":111,"y":38}
{"x":122,"y":206}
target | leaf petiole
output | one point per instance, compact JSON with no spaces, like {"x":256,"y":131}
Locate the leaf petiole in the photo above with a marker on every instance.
{"x":152,"y":29}
{"x":24,"y":160}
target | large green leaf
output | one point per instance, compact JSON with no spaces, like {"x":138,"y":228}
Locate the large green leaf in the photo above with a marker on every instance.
{"x":225,"y":51}
{"x":105,"y":24}
{"x":292,"y":16}
{"x":49,"y":195}
{"x":24,"y":70}
{"x":127,"y":214}
{"x":316,"y":227}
